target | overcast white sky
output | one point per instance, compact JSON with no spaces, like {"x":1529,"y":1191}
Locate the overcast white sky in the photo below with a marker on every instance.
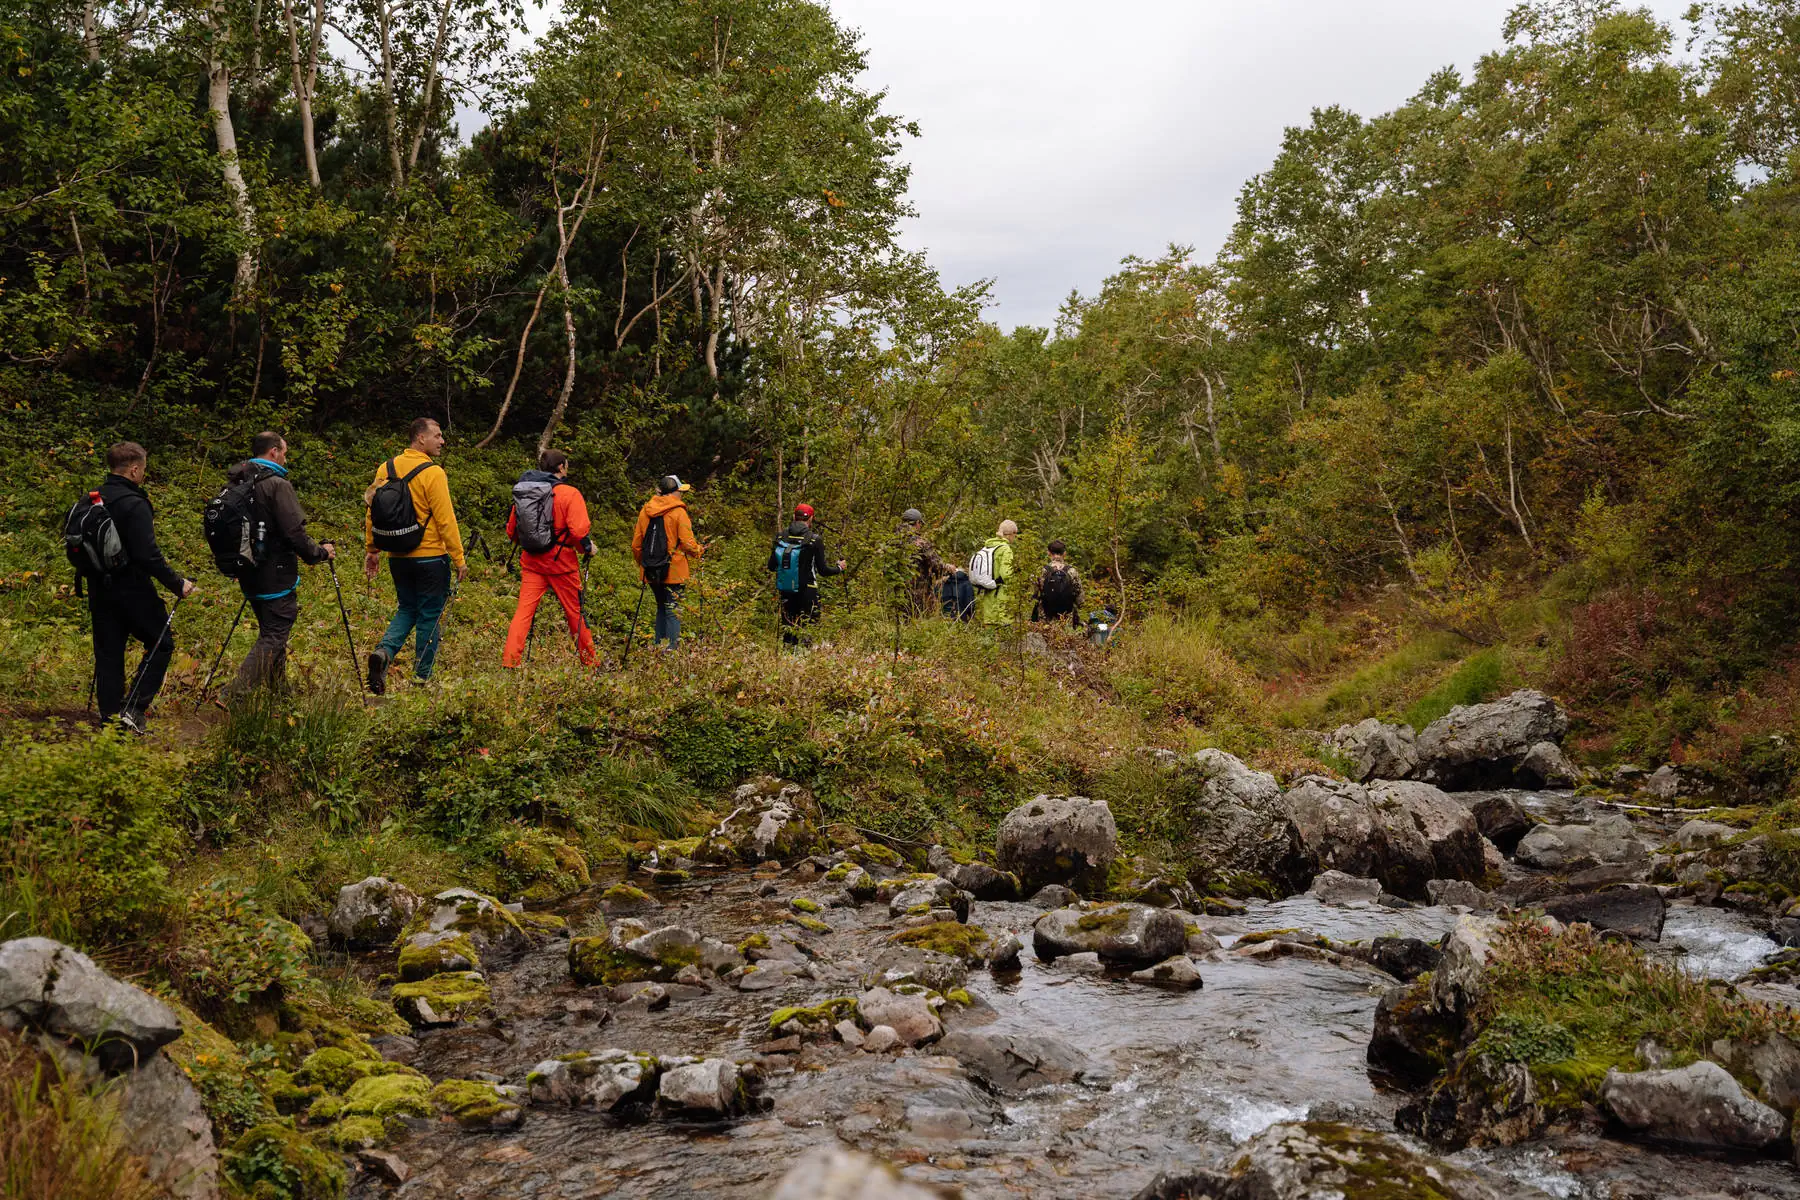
{"x":1059,"y":136}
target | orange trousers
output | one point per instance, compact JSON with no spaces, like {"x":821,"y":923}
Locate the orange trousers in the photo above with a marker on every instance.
{"x":532,"y":586}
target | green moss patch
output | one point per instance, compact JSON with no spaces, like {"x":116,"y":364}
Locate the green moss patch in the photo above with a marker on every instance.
{"x":802,"y":904}
{"x":596,"y":961}
{"x":967,"y":942}
{"x":272,"y":1160}
{"x":354,"y":1133}
{"x":443,"y":999}
{"x":816,"y":1017}
{"x":810,"y":924}
{"x":870,"y":854}
{"x":452,"y":954}
{"x":472,"y":1104}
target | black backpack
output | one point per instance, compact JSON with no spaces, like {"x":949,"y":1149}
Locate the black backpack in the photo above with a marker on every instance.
{"x":534,"y":509}
{"x":92,"y":542}
{"x":1058,"y":591}
{"x":394,"y":523}
{"x":235,"y":531}
{"x":653,"y":551}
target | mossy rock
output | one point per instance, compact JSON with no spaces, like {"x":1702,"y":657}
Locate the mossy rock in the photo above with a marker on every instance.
{"x":222,"y":1074}
{"x":840,"y":872}
{"x":287,"y":1096}
{"x":1104,"y":920}
{"x":967,"y":942}
{"x":623,"y":898}
{"x":487,"y":922}
{"x":335,"y":1068}
{"x":385,"y":1096}
{"x":453,"y":953}
{"x":870,"y":854}
{"x":542,"y":924}
{"x":272,"y":1160}
{"x":802,"y":904}
{"x":596,"y":961}
{"x":473,"y":1104}
{"x":669,"y":877}
{"x":354,"y":1133}
{"x":815,"y":1018}
{"x":446,"y":999}
{"x":810,"y":924}
{"x":756,"y":941}
{"x":541,"y":867}
{"x":678,"y":848}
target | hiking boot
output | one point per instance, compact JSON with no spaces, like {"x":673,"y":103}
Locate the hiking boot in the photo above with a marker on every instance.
{"x":378,"y":668}
{"x":135,"y":722}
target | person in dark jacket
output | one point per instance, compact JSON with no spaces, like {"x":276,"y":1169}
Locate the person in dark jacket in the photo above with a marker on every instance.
{"x":125,"y":605}
{"x":273,"y":588}
{"x":801,"y":606}
{"x":1058,"y":589}
{"x":928,"y":569}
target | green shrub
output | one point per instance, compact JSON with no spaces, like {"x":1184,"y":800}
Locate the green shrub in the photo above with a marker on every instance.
{"x":229,"y":951}
{"x":1475,"y":680}
{"x":272,"y":1162}
{"x":87,"y":838}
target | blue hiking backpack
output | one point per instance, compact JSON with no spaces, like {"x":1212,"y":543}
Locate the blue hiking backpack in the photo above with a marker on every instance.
{"x":790,"y":552}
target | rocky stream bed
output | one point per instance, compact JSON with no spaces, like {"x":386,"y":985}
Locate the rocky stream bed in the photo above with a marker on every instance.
{"x":771,"y":1011}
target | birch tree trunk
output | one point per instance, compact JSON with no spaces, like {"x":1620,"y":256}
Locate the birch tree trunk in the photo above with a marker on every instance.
{"x":431,"y":79}
{"x":218,"y":99}
{"x":305,"y":83}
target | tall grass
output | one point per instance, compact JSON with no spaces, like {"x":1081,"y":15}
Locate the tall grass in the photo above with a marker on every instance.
{"x":1476,"y":680}
{"x":58,"y":1141}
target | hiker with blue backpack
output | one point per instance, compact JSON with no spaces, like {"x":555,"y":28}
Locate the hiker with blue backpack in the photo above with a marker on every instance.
{"x":549,"y":521}
{"x":798,"y":561}
{"x":663,"y":542}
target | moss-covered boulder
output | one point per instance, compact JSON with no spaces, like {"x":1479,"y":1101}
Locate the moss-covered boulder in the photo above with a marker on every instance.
{"x":812,"y":1019}
{"x":1058,"y":839}
{"x":354,"y":1133}
{"x":428,"y":954}
{"x":599,"y":961}
{"x":1122,"y":933}
{"x":1319,"y":1158}
{"x":496,"y":933}
{"x":335,"y":1068}
{"x":273,"y":1160}
{"x":1146,"y":881}
{"x":540,"y":867}
{"x":971,"y":943}
{"x":770,"y":820}
{"x":473,"y":1104}
{"x":387,"y":1097}
{"x":874,"y":855}
{"x":447,"y":999}
{"x":621,"y":899}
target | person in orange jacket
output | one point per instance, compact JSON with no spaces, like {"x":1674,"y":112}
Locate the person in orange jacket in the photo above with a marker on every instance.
{"x":666,"y":567}
{"x":549,"y":520}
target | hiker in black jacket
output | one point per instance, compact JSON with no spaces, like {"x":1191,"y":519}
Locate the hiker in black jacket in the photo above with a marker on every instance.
{"x":273,"y":588}
{"x":125,"y":605}
{"x":800,"y":604}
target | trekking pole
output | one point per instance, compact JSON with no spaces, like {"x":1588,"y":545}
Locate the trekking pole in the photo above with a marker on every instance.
{"x":149,"y":653}
{"x":631,"y":634}
{"x":349,"y":642}
{"x":221,"y":655}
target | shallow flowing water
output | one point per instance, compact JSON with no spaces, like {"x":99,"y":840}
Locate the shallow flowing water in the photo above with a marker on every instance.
{"x":1186,"y":1077}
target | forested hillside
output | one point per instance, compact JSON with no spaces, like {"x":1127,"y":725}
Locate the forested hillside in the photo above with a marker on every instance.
{"x":1499,"y":389}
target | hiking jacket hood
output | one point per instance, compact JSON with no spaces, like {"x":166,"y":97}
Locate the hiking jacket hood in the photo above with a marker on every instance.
{"x":990,"y":607}
{"x":680,"y":530}
{"x":135,"y":519}
{"x":431,"y":499}
{"x":814,"y":562}
{"x":285,"y":540}
{"x":568,"y":517}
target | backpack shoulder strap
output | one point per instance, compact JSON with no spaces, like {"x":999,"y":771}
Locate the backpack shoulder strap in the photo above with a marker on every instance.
{"x":392,"y":471}
{"x":412,"y":474}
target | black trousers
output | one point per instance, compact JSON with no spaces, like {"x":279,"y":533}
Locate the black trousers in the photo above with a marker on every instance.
{"x":797,"y":609}
{"x":267,"y":660}
{"x":121,"y":614}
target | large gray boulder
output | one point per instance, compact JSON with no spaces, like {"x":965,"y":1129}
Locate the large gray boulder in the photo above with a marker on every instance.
{"x":1377,"y":750}
{"x":601,"y":1081}
{"x":1015,"y":1061}
{"x":1451,"y":834}
{"x":1483,"y":745}
{"x":495,"y":932}
{"x":1610,"y":841}
{"x":1698,"y":1105}
{"x":770,"y":819}
{"x":709,"y":1088}
{"x":1238,"y":823}
{"x":908,"y":1013}
{"x":1404,"y":834}
{"x":56,"y":990}
{"x":1636,"y":910}
{"x":1323,"y":1161}
{"x":1121,"y":933}
{"x":370,"y":913}
{"x":1546,"y":766}
{"x":164,"y":1124}
{"x":837,"y":1174}
{"x":1058,"y":839}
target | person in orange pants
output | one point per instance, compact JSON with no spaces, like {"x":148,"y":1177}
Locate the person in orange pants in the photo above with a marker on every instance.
{"x":549,"y":520}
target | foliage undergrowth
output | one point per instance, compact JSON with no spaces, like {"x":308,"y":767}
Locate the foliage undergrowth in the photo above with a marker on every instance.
{"x":58,"y":1140}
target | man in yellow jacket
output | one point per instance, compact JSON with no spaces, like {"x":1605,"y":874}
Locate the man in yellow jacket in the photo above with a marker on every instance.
{"x":422,"y":547}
